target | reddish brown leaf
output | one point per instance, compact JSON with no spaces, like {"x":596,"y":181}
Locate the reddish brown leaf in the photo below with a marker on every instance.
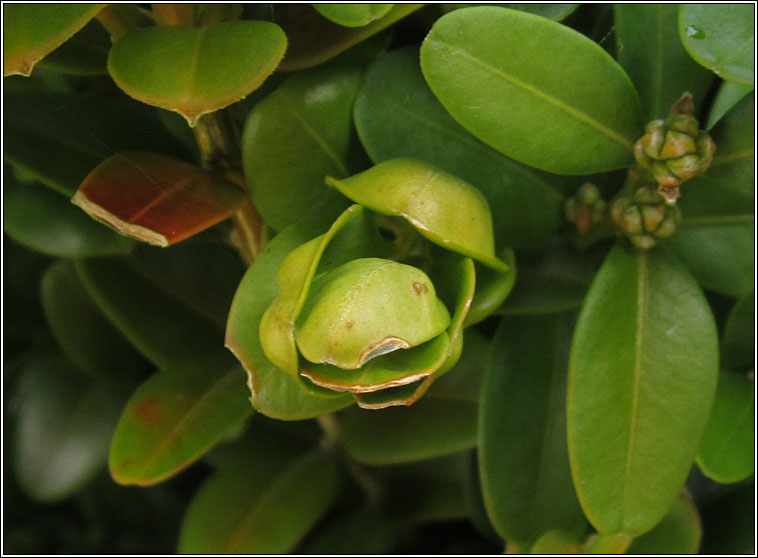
{"x":155,"y":198}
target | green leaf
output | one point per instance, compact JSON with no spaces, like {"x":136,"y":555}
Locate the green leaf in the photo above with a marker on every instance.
{"x":642,"y":375}
{"x":168,"y":201}
{"x":557,"y":541}
{"x":556,"y":12}
{"x":189,"y":69}
{"x":729,"y":523}
{"x":353,"y":15}
{"x":738,"y":342}
{"x":256,"y":510}
{"x":395,"y":107}
{"x":275,"y":393}
{"x":578,"y":112}
{"x":46,"y":222}
{"x":729,"y":94}
{"x":314,"y":39}
{"x":295,"y":137}
{"x":83,"y":333}
{"x":678,"y":533}
{"x":721,"y":38}
{"x":523,"y":460}
{"x":727,"y":449}
{"x":64,"y":427}
{"x":31,"y":31}
{"x":651,"y":53}
{"x":86,"y":53}
{"x":175,"y":417}
{"x":365,"y":531}
{"x":162,"y":328}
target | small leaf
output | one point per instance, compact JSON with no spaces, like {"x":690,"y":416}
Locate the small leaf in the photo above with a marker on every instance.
{"x":168,"y":200}
{"x":523,"y":460}
{"x":249,"y":510}
{"x":353,"y":15}
{"x":578,"y":112}
{"x":651,"y":53}
{"x":65,"y":425}
{"x":738,"y":342}
{"x":189,"y":70}
{"x":31,"y":31}
{"x":294,"y":138}
{"x":45,"y":221}
{"x":395,"y":107}
{"x":678,"y":532}
{"x":645,"y":330}
{"x":86,"y":337}
{"x":176,"y":416}
{"x":721,"y":38}
{"x":727,"y":449}
{"x":314,"y":39}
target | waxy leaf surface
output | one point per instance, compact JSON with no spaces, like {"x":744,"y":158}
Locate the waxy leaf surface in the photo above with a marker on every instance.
{"x":533,"y":89}
{"x":395,"y":107}
{"x":176,"y":416}
{"x":190,"y":70}
{"x":721,"y":38}
{"x":155,"y":198}
{"x":31,"y":31}
{"x":353,"y":15}
{"x":644,"y":365}
{"x":556,"y":12}
{"x":523,"y":460}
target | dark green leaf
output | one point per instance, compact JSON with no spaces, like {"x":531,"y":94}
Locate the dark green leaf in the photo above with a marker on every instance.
{"x":678,"y":533}
{"x":729,"y":94}
{"x":729,"y":523}
{"x":475,"y":499}
{"x":86,"y":337}
{"x":354,"y":533}
{"x":642,"y":376}
{"x":188,"y":69}
{"x":650,"y":51}
{"x":577,"y":111}
{"x":727,"y":450}
{"x":353,"y":15}
{"x":395,"y":108}
{"x":255,"y":509}
{"x":523,"y":458}
{"x":86,"y":53}
{"x":64,"y":427}
{"x":295,"y":137}
{"x":738,"y":342}
{"x":721,"y":38}
{"x":176,"y":416}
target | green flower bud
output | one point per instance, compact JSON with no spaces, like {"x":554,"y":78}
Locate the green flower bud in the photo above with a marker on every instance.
{"x":353,"y":315}
{"x":586,"y":208}
{"x":645,"y":217}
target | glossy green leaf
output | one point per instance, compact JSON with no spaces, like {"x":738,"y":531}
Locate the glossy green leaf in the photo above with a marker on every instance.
{"x":168,"y":201}
{"x":175,"y":417}
{"x":738,"y":341}
{"x":721,"y":38}
{"x":578,"y":112}
{"x":83,"y":333}
{"x":64,"y":427}
{"x":727,"y":450}
{"x":353,"y":15}
{"x":556,"y":12}
{"x":645,"y":331}
{"x":678,"y":533}
{"x":31,"y":31}
{"x":86,"y":53}
{"x":395,"y":107}
{"x":442,"y":207}
{"x":275,"y":393}
{"x":250,"y":510}
{"x":45,"y":221}
{"x":188,"y":69}
{"x":314,"y":39}
{"x":163,"y":329}
{"x":652,"y":55}
{"x":523,"y":460}
{"x":295,"y":137}
{"x":729,"y":94}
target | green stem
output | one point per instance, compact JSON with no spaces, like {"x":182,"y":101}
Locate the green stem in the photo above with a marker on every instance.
{"x":175,"y":14}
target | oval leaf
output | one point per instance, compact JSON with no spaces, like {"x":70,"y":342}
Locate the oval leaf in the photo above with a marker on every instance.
{"x":196,"y":70}
{"x":353,"y":15}
{"x":168,"y":200}
{"x":249,"y":510}
{"x":678,"y":533}
{"x":642,"y":377}
{"x":31,"y":31}
{"x":395,"y":107}
{"x":533,"y":89}
{"x":176,"y":416}
{"x":721,"y":38}
{"x":738,"y":342}
{"x":523,"y":460}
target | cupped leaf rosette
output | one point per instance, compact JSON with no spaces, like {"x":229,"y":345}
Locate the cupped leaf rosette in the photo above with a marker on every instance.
{"x":375,"y":306}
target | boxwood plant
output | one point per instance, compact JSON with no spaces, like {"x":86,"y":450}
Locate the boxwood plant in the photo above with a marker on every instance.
{"x":379,"y":278}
